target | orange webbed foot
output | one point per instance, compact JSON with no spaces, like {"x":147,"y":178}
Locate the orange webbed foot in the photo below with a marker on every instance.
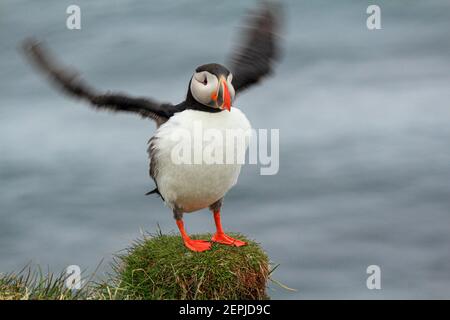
{"x":197,"y":245}
{"x":191,"y":244}
{"x":227,"y":240}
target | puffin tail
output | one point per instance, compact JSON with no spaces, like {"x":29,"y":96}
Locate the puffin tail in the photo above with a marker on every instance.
{"x":155,"y":191}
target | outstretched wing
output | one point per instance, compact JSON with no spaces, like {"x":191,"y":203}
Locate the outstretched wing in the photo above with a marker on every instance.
{"x":71,"y":83}
{"x":260,"y":46}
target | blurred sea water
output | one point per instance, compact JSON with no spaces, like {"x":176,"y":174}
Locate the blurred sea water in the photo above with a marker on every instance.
{"x":364,"y":140}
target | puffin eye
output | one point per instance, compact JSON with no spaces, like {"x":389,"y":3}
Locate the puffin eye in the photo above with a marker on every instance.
{"x":205,"y":81}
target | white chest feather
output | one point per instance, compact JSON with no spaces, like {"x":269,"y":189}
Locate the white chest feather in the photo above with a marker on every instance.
{"x":192,"y":153}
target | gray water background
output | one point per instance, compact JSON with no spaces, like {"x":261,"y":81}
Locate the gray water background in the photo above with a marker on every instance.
{"x":364,"y":132}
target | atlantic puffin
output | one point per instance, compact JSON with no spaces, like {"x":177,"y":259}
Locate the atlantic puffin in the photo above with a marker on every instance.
{"x":209,"y":101}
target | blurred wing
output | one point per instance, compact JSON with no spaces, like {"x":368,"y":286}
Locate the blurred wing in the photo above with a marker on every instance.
{"x":70,"y":82}
{"x":260,"y":47}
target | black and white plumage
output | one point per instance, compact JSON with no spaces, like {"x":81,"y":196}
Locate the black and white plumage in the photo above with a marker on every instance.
{"x":211,"y":91}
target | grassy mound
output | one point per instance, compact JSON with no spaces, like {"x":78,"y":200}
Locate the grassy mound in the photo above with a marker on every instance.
{"x":160,"y":267}
{"x":157,"y":267}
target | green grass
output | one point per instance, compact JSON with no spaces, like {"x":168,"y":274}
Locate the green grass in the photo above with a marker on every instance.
{"x":159,"y":267}
{"x":35,"y":285}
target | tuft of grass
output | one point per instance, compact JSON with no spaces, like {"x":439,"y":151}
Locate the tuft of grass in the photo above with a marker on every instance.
{"x":160,"y":267}
{"x":35,"y":285}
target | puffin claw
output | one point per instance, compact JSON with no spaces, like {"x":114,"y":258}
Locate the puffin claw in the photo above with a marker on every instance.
{"x":197,"y":245}
{"x":227,"y":240}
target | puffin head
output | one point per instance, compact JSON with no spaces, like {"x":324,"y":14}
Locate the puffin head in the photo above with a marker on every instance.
{"x":211,"y":86}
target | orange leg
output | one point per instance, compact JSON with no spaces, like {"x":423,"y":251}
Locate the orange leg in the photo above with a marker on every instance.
{"x":194,"y":245}
{"x":220,"y":235}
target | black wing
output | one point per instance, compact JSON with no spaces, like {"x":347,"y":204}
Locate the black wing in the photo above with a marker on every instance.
{"x":70,"y":82}
{"x":260,"y":46}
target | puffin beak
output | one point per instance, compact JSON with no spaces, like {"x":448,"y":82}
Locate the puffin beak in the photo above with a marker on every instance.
{"x":222,"y":97}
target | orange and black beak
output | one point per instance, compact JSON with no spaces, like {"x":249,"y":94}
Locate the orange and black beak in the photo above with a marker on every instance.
{"x":222,"y":97}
